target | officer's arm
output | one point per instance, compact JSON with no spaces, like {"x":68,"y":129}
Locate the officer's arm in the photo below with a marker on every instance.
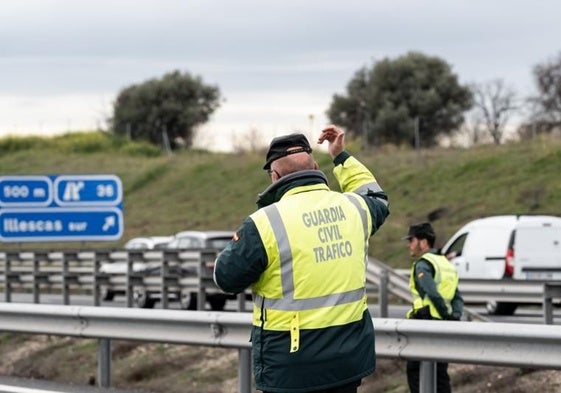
{"x":457,"y":305}
{"x":424,"y":277}
{"x":353,"y":176}
{"x":242,"y":261}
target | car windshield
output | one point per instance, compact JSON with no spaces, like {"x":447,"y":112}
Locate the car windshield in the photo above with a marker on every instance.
{"x":218,"y":243}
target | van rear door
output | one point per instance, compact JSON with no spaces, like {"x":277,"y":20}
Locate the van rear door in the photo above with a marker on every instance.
{"x":537,"y":251}
{"x":478,"y":252}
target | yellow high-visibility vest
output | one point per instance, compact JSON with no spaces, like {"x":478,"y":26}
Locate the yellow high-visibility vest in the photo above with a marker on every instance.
{"x":446,"y":279}
{"x":316,"y":242}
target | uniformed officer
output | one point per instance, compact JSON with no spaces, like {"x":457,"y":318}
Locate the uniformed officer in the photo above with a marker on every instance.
{"x":304,"y":254}
{"x":434,"y":285}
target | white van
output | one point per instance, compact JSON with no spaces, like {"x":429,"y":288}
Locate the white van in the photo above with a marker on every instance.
{"x":520,"y":247}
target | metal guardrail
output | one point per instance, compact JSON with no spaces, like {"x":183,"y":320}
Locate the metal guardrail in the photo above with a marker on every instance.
{"x":72,"y":272}
{"x":479,"y":291}
{"x":515,"y":291}
{"x":506,"y":290}
{"x":79,"y":272}
{"x":495,"y":344}
{"x":395,"y":282}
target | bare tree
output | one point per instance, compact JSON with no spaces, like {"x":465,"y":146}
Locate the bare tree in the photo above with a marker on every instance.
{"x":534,"y":120}
{"x":495,"y":103}
{"x":547,"y":76}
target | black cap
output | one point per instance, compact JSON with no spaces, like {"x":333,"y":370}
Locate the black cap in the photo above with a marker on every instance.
{"x":421,"y":231}
{"x":279,"y":147}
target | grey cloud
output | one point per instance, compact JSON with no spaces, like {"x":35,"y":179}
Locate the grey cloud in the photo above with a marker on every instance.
{"x":86,"y":46}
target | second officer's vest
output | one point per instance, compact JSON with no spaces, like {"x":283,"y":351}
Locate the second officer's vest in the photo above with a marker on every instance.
{"x":446,"y":279}
{"x":316,"y":242}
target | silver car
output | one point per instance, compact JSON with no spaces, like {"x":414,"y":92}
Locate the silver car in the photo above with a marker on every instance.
{"x":189,"y":240}
{"x":120,"y":268}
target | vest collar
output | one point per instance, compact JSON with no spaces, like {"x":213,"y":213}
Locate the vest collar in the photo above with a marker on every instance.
{"x":275,"y":191}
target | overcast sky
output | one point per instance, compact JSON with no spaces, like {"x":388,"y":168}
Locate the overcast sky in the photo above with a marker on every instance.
{"x":276,"y":62}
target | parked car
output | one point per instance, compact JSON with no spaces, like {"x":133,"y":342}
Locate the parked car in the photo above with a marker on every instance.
{"x":190,"y":240}
{"x":148,"y":243}
{"x":518,"y":247}
{"x":137,"y":243}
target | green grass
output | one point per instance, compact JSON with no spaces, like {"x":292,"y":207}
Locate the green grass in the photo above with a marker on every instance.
{"x":195,"y":189}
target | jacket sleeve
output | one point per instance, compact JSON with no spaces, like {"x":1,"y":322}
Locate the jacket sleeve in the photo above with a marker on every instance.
{"x":424,"y":280}
{"x":353,"y":176}
{"x":243,"y":260}
{"x":457,"y":305}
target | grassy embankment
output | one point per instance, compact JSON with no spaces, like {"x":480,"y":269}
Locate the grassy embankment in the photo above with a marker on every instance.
{"x":200,"y":190}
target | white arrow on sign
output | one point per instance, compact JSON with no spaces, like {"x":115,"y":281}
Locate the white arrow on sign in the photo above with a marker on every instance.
{"x":109,"y":222}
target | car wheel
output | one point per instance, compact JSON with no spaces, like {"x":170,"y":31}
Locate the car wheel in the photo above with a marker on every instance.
{"x":500,"y":308}
{"x":217,"y":302}
{"x":141,"y":299}
{"x":107,"y":294}
{"x":188,"y":300}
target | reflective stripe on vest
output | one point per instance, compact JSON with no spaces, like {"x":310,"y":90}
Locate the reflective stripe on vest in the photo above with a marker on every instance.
{"x":445,"y":278}
{"x":374,"y":187}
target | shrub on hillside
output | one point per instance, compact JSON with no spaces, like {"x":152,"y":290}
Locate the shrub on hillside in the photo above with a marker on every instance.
{"x":86,"y":142}
{"x":12,"y":144}
{"x":140,"y":149}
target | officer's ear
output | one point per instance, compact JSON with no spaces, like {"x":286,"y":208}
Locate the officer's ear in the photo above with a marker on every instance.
{"x":424,"y":243}
{"x":275,"y":176}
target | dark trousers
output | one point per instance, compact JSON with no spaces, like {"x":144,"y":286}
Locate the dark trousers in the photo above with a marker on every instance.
{"x":442,"y":378}
{"x":350,"y":388}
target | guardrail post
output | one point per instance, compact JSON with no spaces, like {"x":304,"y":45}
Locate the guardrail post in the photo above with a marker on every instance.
{"x":547,"y":306}
{"x":383,"y":293}
{"x":244,"y":371}
{"x":427,"y":374}
{"x":65,"y":279}
{"x":7,"y":279}
{"x":205,"y":276}
{"x":164,"y":263}
{"x":131,"y":278}
{"x":104,"y":363}
{"x":550,"y":291}
{"x":99,"y":279}
{"x":241,"y":301}
{"x":36,"y":280}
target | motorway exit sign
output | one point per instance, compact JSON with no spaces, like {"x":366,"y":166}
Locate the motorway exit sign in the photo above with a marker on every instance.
{"x":61,"y":208}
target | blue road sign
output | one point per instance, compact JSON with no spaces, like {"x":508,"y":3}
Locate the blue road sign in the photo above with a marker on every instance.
{"x":60,"y":224}
{"x":31,"y":191}
{"x":88,"y":190}
{"x":61,"y":208}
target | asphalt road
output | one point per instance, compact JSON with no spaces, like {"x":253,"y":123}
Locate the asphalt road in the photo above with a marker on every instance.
{"x":24,"y":385}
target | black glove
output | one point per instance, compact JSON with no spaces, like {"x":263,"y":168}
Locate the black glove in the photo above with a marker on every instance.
{"x":423,"y":313}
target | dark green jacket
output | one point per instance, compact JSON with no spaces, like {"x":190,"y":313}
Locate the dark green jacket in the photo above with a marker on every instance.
{"x":327,"y":357}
